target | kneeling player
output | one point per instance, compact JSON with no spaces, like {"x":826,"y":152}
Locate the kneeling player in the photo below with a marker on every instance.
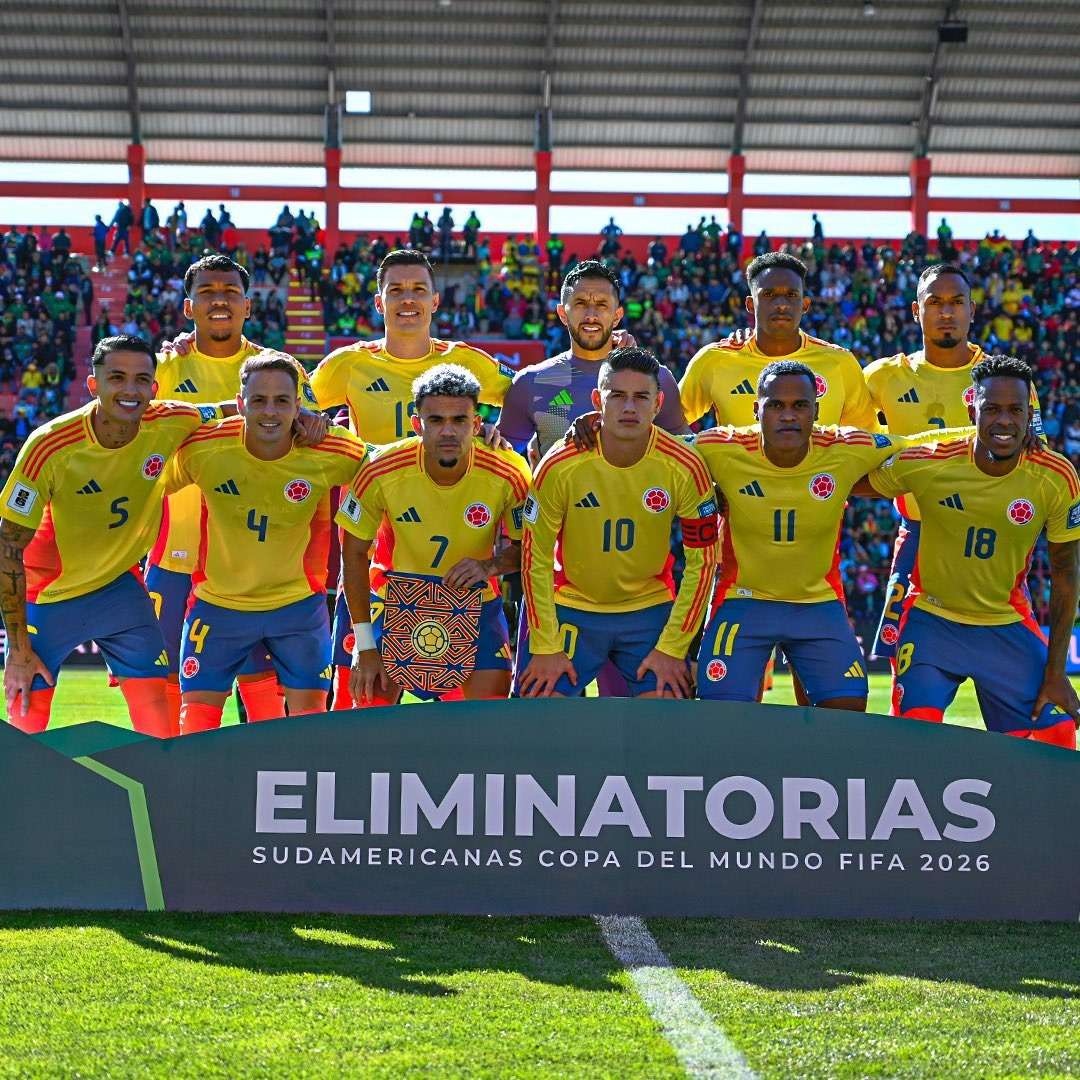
{"x":266,"y":534}
{"x":984,"y":500}
{"x":785,"y":483}
{"x":609,"y":510}
{"x":80,"y":509}
{"x":433,"y":507}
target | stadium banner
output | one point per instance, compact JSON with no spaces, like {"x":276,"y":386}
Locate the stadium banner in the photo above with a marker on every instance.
{"x":576,"y":807}
{"x":514,"y":353}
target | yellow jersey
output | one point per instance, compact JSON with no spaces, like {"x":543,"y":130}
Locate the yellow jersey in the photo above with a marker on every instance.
{"x":96,"y":511}
{"x":377,"y":386}
{"x":914,"y":394}
{"x":598,"y":538}
{"x":724,"y":378}
{"x":197,"y":377}
{"x":978,"y":531}
{"x":265,"y":525}
{"x":782,"y":527}
{"x":421,"y":527}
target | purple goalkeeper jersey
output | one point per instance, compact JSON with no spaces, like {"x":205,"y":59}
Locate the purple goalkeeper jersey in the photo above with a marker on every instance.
{"x":546,"y":398}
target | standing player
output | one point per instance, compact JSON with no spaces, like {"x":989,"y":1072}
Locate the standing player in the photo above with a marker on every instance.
{"x":434,"y":506}
{"x":375,"y":380}
{"x":260,"y":577}
{"x":80,"y":509}
{"x":785,"y":484}
{"x":604,"y":516}
{"x":206,"y":367}
{"x":927,"y":389}
{"x":546,"y":398}
{"x":984,"y":500}
{"x":722,"y":377}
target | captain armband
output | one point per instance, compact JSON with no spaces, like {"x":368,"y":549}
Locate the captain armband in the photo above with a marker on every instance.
{"x":703,"y":530}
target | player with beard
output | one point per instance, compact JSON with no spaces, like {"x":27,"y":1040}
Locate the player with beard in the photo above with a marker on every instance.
{"x":205,"y":366}
{"x":984,"y":500}
{"x":80,"y":508}
{"x":434,"y":506}
{"x":925,"y":389}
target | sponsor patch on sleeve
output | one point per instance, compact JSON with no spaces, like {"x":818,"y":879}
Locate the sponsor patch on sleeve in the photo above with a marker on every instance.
{"x":518,"y":514}
{"x":1074,"y":516}
{"x":881,"y":441}
{"x":506,"y":371}
{"x":707,"y":509}
{"x":309,"y":394}
{"x":208,"y":413}
{"x":531,"y":510}
{"x":22,"y":498}
{"x":351,"y":508}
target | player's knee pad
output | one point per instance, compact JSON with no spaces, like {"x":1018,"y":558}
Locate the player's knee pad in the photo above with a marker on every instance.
{"x":147,"y":706}
{"x":263,"y":698}
{"x":195,"y":717}
{"x":36,"y":718}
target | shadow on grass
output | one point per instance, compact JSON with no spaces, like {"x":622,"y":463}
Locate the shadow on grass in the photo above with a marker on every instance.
{"x":1040,"y":960}
{"x":407,"y":955}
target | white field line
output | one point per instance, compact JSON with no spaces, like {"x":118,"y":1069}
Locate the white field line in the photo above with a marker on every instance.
{"x":701,"y":1046}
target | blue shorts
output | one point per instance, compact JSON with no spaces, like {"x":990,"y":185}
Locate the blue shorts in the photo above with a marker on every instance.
{"x":218,"y":641}
{"x":492,"y":643}
{"x":592,"y":638}
{"x":1006,"y":664}
{"x":905,"y":550}
{"x":343,"y":635}
{"x":817,"y":639}
{"x":119,"y":617}
{"x":170,"y":591}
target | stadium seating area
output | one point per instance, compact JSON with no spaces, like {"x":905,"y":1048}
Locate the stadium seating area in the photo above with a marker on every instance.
{"x":1027,"y":296}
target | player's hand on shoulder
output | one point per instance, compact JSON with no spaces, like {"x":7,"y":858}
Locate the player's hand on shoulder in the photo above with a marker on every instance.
{"x":1058,"y":690}
{"x":310,"y":428}
{"x":584,"y":432}
{"x":468,"y":573}
{"x":544,"y":671}
{"x":672,"y":675}
{"x":367,"y":675}
{"x":180,"y":345}
{"x":622,"y":339}
{"x":20,"y":667}
{"x":738,"y":337}
{"x":493,"y":437}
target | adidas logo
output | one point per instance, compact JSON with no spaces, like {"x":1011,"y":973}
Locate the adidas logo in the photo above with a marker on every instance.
{"x":377,"y":387}
{"x":563,"y":397}
{"x":743,"y":388}
{"x":590,"y":502}
{"x":911,"y":397}
{"x":93,"y":488}
{"x":410,"y":515}
{"x":952,"y":502}
{"x":228,"y":488}
{"x":855,"y":671}
{"x":753,"y":488}
{"x":187,"y":387}
{"x":162,"y":660}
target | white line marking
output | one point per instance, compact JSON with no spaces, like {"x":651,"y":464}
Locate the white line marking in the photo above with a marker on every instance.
{"x":700,"y":1045}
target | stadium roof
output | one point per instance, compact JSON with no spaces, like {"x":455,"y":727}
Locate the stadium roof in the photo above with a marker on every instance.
{"x":798,"y":86}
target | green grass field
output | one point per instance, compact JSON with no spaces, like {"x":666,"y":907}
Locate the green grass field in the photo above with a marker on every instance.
{"x":106,"y":995}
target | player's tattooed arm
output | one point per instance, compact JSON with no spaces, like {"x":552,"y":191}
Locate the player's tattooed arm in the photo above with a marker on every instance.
{"x":468,"y":573}
{"x":21,"y":662}
{"x":367,"y":674}
{"x":1064,"y":592}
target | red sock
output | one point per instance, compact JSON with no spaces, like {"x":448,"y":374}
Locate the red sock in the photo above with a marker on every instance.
{"x":147,"y":706}
{"x":1062,"y":734}
{"x":932,"y":716}
{"x":263,"y":698}
{"x":195,"y":717}
{"x":36,"y":717}
{"x":342,"y":697}
{"x":173,"y":699}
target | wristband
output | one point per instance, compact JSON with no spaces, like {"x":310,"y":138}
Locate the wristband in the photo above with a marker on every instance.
{"x":364,"y":637}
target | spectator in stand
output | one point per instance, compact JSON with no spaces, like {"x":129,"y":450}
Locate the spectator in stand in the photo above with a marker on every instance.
{"x":446,"y":231}
{"x":101,"y":235}
{"x":762,"y":245}
{"x":471,"y":230}
{"x":819,"y":231}
{"x":210,"y":228}
{"x":555,"y":248}
{"x":734,"y":241}
{"x":61,"y":244}
{"x":122,"y":220}
{"x":149,"y":219}
{"x":610,"y":234}
{"x":658,"y":252}
{"x":691,"y":242}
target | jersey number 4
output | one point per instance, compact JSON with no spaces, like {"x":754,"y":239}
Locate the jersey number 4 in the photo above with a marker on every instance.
{"x":258,"y":525}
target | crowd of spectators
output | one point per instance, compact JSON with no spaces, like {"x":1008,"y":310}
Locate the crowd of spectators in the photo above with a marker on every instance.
{"x":677,"y":298}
